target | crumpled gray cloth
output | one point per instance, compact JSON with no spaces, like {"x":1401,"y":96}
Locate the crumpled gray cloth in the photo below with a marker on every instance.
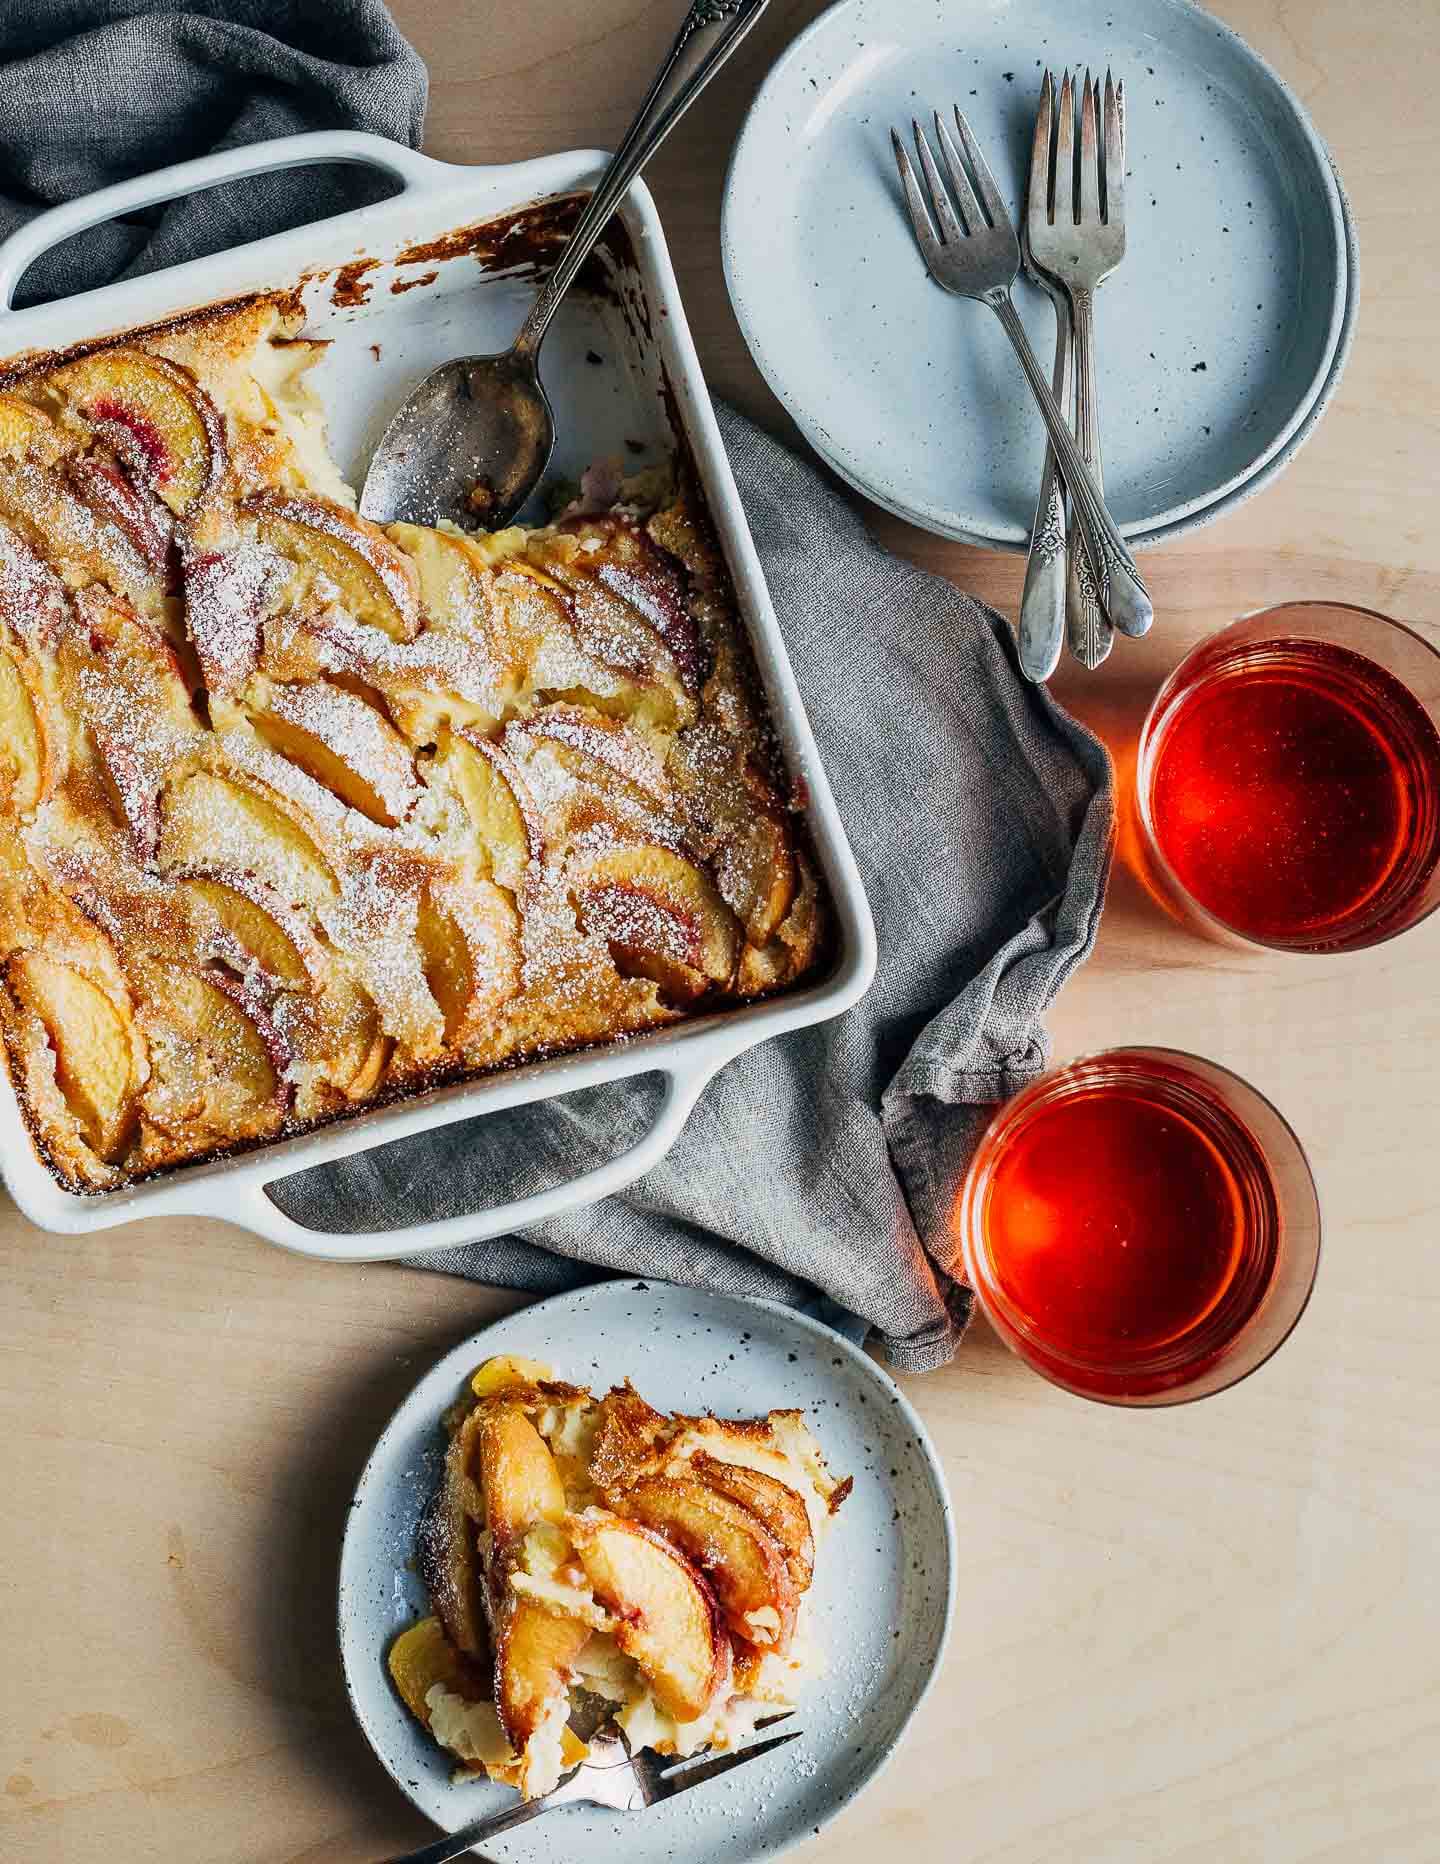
{"x":94,"y":91}
{"x":981,"y":818}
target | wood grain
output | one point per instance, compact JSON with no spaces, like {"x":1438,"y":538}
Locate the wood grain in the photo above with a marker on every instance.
{"x":1202,"y":1635}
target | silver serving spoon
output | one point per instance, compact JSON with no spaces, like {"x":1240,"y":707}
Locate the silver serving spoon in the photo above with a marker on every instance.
{"x":473,"y":440}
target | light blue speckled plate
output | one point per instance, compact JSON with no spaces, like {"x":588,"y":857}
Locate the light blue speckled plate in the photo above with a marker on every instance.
{"x":1220,"y":339}
{"x":884,"y":1587}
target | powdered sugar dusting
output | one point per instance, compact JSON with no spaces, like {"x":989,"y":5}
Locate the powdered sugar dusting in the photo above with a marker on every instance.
{"x":227,"y":593}
{"x":33,"y":602}
{"x":260,"y":722}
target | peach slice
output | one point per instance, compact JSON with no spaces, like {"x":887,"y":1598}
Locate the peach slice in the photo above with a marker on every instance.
{"x":469,"y":939}
{"x":755,"y":871}
{"x":90,"y":1034}
{"x":367,"y":1076}
{"x":498,"y":802}
{"x":780,"y":1510}
{"x":507,"y":1372}
{"x":628,"y":598}
{"x":449,"y":576}
{"x":138,"y":512}
{"x":602,"y":751}
{"x":255,"y":922}
{"x":135,"y":698}
{"x":27,"y":766}
{"x":34,"y":604}
{"x":423,"y":1656}
{"x":796,"y":943}
{"x":729,"y":1545}
{"x":84,"y":543}
{"x":549,"y":646}
{"x":669,"y":1621}
{"x":518,"y":1476}
{"x":227,"y":595}
{"x":207,"y":820}
{"x":356,"y":1044}
{"x":27,"y":432}
{"x":343,"y":742}
{"x":156,"y":416}
{"x":535,"y":1651}
{"x":446,"y":1548}
{"x":217,"y":1059}
{"x":660,"y":915}
{"x":375,"y":580}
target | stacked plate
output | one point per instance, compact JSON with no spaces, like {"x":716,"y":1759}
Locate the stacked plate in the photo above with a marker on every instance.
{"x":1220,"y":339}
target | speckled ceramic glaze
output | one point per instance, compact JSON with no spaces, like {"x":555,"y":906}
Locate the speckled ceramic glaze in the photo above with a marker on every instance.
{"x":1220,"y":339}
{"x":884,"y":1585}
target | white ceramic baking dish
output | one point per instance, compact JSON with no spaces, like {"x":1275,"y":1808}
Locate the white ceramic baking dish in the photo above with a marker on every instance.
{"x":623,"y":375}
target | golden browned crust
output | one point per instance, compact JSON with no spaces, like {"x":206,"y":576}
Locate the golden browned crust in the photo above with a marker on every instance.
{"x":299,"y":814}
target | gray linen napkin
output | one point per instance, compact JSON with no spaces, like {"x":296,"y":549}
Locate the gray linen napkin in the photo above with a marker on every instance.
{"x":95,"y":91}
{"x":980,"y":815}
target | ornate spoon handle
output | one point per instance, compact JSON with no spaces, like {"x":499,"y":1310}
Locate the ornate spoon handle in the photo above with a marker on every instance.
{"x":708,"y":35}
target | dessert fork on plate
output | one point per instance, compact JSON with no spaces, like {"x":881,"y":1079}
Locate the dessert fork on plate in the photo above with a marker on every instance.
{"x":1042,"y":601}
{"x":611,"y":1777}
{"x":975,"y":253}
{"x":1075,"y":227}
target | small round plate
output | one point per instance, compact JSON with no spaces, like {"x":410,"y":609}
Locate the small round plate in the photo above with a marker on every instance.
{"x":884,"y":1586}
{"x":1227,"y":322}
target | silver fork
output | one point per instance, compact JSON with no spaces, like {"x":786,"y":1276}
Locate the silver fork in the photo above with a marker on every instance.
{"x":1042,"y":602}
{"x":978,"y":257}
{"x":611,"y":1777}
{"x":1080,"y":247}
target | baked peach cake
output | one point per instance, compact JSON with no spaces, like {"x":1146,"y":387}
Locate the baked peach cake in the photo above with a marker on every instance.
{"x":299,"y":812}
{"x":585,"y":1551}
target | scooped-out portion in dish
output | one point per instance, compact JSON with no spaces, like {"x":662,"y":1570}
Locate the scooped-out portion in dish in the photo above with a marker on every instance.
{"x":585,"y":1552}
{"x":297,"y":812}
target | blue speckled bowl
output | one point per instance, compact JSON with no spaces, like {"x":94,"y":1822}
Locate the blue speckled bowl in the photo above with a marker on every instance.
{"x":1220,"y":339}
{"x":884,"y":1587}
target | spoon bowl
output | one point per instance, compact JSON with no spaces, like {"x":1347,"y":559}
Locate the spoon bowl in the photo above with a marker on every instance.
{"x":470,"y":445}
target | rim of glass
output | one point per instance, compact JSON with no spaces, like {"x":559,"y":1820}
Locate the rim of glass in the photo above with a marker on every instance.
{"x":1155,"y":850}
{"x":968,"y":1225}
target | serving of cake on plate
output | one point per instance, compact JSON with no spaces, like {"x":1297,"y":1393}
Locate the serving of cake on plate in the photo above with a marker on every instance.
{"x":298,"y":813}
{"x":583,"y":1549}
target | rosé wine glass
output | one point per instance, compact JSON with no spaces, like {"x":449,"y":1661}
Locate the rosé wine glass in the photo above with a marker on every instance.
{"x":1141,"y":1227}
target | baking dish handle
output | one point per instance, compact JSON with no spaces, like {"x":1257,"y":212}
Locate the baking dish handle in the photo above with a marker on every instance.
{"x":248,"y":1205}
{"x":25,"y":246}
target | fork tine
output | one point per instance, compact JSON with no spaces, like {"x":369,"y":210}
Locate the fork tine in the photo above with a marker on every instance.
{"x":1114,"y":153}
{"x":960,"y":181}
{"x":951,"y":231}
{"x":1089,"y":158}
{"x":1037,"y":207}
{"x":1114,"y":138}
{"x":1065,"y":154}
{"x":696,"y":1776}
{"x":984,"y":180}
{"x":919,"y":217}
{"x":667,"y":1763}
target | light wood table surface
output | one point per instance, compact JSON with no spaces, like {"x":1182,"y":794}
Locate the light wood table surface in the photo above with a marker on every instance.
{"x":1205,"y":1636}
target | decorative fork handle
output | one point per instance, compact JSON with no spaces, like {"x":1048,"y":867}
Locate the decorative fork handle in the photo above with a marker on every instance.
{"x":1091,"y":636}
{"x":460,"y":1844}
{"x":1117,"y":581}
{"x":708,"y":35}
{"x":1042,"y":602}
